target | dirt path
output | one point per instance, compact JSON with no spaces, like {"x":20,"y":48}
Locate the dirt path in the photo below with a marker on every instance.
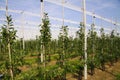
{"x":108,"y":74}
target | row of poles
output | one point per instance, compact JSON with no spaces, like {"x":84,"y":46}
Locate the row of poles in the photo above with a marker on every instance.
{"x":85,"y":35}
{"x":42,"y":47}
{"x":42,"y":17}
{"x":43,"y":52}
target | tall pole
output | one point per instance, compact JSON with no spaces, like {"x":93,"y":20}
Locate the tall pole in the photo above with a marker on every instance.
{"x":42,"y":15}
{"x":63,"y":1}
{"x":93,"y":26}
{"x":93,"y":21}
{"x":115,"y":27}
{"x":6,"y":8}
{"x":63,"y":24}
{"x":85,"y":39}
{"x":9,"y":50}
{"x":23,"y":41}
{"x":63,"y":12}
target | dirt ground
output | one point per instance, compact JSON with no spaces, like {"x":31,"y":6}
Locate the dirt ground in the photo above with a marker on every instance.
{"x":108,"y":74}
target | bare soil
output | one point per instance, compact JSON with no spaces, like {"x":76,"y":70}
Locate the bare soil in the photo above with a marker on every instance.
{"x":108,"y":74}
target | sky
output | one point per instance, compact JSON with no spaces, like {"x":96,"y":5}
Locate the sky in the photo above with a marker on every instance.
{"x":27,"y":24}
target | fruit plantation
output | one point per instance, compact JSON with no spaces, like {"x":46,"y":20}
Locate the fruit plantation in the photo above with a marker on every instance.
{"x":45,"y":58}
